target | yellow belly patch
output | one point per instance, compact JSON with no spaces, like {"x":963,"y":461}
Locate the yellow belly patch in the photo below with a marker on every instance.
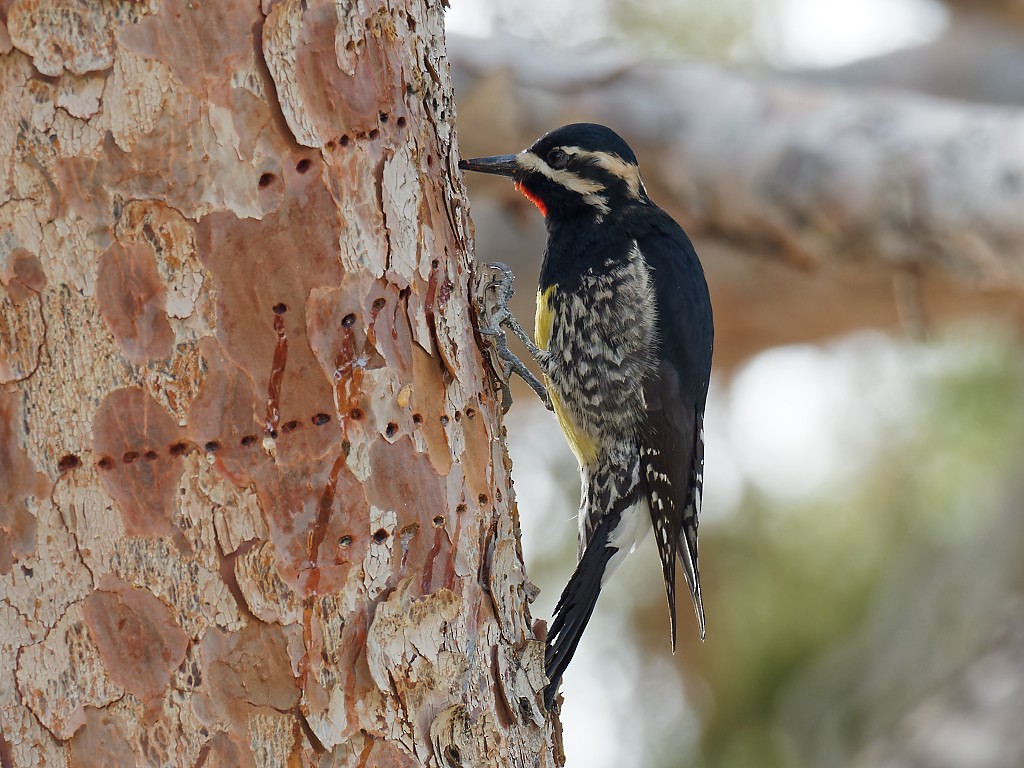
{"x":582,"y":444}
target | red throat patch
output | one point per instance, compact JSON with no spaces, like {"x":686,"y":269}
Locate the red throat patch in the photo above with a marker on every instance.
{"x":533,"y":199}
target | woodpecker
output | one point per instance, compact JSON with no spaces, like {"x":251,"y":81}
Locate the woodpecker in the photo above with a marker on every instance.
{"x":624,"y":337}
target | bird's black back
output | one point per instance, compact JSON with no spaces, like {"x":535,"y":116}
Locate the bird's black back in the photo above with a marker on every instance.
{"x":676,"y":395}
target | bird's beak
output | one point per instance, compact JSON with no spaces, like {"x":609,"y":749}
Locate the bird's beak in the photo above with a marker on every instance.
{"x":502,"y":165}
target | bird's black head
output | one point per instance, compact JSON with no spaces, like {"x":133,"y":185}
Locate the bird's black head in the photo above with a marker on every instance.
{"x":578,"y":169}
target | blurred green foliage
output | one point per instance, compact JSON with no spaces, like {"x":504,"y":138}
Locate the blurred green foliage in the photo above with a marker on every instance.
{"x":714,"y":31}
{"x":711,"y":31}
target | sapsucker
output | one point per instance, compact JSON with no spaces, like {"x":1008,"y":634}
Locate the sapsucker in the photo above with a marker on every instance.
{"x":624,"y":337}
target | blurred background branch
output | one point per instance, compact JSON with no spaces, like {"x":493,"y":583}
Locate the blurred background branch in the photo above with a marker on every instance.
{"x":815,"y":200}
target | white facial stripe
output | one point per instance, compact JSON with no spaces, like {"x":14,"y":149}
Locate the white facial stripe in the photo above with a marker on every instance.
{"x":614,"y":164}
{"x":530,"y":162}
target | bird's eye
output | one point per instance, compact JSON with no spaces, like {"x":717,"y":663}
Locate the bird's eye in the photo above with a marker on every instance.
{"x":557,"y":158}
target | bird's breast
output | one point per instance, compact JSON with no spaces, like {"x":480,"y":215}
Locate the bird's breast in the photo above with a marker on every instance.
{"x":599,"y":340}
{"x":577,"y":433}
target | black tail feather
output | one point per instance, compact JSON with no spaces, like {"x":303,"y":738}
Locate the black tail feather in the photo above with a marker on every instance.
{"x":576,"y":605}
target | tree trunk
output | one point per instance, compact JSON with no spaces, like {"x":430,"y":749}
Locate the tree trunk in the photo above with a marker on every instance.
{"x":255,"y":508}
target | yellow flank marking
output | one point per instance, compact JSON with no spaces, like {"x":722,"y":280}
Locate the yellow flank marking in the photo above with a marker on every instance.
{"x":580,"y":442}
{"x":542,"y":323}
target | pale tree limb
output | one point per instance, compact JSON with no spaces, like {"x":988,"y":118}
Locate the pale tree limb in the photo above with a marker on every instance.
{"x":977,"y":58}
{"x":849,"y":188}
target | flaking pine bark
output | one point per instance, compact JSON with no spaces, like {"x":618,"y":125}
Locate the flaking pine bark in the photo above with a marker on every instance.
{"x":255,"y":508}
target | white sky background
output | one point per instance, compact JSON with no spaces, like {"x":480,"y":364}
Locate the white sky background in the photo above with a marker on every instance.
{"x":824,"y":33}
{"x":792,"y":421}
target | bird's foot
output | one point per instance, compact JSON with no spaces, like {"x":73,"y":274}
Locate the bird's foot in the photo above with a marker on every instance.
{"x":494,"y":291}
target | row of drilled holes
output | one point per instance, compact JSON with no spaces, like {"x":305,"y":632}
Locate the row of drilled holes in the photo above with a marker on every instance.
{"x":183,"y":447}
{"x":304,"y":164}
{"x":71,"y":461}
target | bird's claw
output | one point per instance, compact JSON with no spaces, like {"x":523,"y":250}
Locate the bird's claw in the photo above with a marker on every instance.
{"x":513,"y":364}
{"x":495,"y":317}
